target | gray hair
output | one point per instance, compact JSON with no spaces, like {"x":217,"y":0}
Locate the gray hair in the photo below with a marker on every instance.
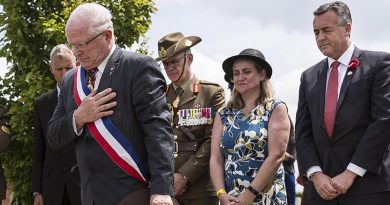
{"x":339,"y":8}
{"x":59,"y":51}
{"x":98,"y":16}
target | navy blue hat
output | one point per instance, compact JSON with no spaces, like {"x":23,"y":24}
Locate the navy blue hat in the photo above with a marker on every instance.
{"x":249,"y":53}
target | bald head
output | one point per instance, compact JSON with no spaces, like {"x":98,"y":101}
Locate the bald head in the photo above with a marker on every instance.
{"x":90,"y":33}
{"x":91,"y":18}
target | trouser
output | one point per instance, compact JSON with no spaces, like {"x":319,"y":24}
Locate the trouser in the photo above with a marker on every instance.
{"x":290,"y":188}
{"x":381,"y":198}
{"x":65,"y":198}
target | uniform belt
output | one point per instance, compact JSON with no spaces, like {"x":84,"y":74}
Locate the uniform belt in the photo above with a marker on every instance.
{"x":183,"y":146}
{"x":187,"y":132}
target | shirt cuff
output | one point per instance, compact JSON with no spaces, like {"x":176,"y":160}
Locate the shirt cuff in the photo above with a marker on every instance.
{"x":35,"y":193}
{"x":78,"y":132}
{"x":356,"y":169}
{"x":312,"y":170}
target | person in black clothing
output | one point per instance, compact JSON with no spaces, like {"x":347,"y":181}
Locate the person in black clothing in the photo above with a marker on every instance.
{"x":4,"y":143}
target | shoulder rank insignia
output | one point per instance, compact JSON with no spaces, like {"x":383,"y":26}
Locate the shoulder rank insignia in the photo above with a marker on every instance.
{"x":196,"y":88}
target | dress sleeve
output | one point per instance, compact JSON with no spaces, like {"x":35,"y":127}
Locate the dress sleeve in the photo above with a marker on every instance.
{"x":270,"y":106}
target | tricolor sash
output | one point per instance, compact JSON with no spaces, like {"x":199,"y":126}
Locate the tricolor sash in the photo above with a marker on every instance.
{"x":113,"y":142}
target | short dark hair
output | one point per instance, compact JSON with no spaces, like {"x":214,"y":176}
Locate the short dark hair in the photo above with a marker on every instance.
{"x":339,"y":8}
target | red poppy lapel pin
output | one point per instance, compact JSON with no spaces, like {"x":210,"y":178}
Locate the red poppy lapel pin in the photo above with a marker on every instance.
{"x":353,"y":64}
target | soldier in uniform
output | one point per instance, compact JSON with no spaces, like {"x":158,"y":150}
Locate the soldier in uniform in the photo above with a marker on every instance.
{"x":193,"y":105}
{"x":4,"y":143}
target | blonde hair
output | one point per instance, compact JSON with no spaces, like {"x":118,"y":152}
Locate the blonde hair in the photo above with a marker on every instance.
{"x":266,"y":91}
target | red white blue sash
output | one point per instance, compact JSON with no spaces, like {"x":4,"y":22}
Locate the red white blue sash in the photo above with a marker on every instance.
{"x":113,"y":142}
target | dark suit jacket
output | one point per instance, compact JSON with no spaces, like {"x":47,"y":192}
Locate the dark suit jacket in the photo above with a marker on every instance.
{"x":53,"y":170}
{"x":195,"y":165}
{"x":141,"y":115}
{"x":3,"y":184}
{"x":361,"y":131}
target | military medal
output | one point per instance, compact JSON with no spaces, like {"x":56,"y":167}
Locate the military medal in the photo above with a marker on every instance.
{"x":176,"y":102}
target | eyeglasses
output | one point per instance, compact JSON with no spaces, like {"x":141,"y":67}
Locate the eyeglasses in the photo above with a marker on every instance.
{"x":81,"y":46}
{"x":172,"y":63}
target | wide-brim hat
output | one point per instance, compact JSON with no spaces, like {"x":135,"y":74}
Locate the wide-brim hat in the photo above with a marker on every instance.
{"x":249,"y":53}
{"x":174,"y":43}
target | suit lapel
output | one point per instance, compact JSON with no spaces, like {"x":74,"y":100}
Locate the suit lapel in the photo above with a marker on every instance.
{"x":321,"y":76}
{"x":188,"y":94}
{"x":347,"y":80}
{"x":53,"y":99}
{"x":109,"y":70}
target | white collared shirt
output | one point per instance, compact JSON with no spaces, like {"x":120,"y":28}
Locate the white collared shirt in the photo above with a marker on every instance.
{"x":58,"y":90}
{"x":343,"y":66}
{"x":102,"y":66}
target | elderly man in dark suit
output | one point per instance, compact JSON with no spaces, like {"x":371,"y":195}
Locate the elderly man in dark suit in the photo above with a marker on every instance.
{"x":55,"y":177}
{"x":343,"y":117}
{"x":114,"y":108}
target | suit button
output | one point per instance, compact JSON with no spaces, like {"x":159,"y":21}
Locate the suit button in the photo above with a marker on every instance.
{"x":91,"y":172}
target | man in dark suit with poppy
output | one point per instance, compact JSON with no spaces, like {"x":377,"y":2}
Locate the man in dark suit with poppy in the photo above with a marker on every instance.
{"x":343,"y":117}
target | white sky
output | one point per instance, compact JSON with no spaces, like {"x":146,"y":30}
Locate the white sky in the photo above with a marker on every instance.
{"x":281,"y":29}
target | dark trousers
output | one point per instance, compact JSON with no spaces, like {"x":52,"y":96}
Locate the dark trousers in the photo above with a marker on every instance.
{"x":382,"y":198}
{"x":290,"y":187}
{"x":3,"y":184}
{"x":65,"y":198}
{"x":140,"y":196}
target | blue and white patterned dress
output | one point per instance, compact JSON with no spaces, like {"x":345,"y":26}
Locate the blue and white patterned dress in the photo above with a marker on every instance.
{"x":244,"y":145}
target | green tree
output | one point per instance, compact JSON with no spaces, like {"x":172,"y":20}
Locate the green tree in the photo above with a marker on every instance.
{"x":30,"y":28}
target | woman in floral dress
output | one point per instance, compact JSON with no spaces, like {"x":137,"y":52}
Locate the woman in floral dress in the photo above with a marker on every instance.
{"x":250,"y":136}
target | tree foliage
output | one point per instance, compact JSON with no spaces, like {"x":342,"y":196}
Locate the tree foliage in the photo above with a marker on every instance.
{"x":29,"y":29}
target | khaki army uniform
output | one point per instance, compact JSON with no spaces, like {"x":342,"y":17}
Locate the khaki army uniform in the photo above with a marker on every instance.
{"x":192,"y":121}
